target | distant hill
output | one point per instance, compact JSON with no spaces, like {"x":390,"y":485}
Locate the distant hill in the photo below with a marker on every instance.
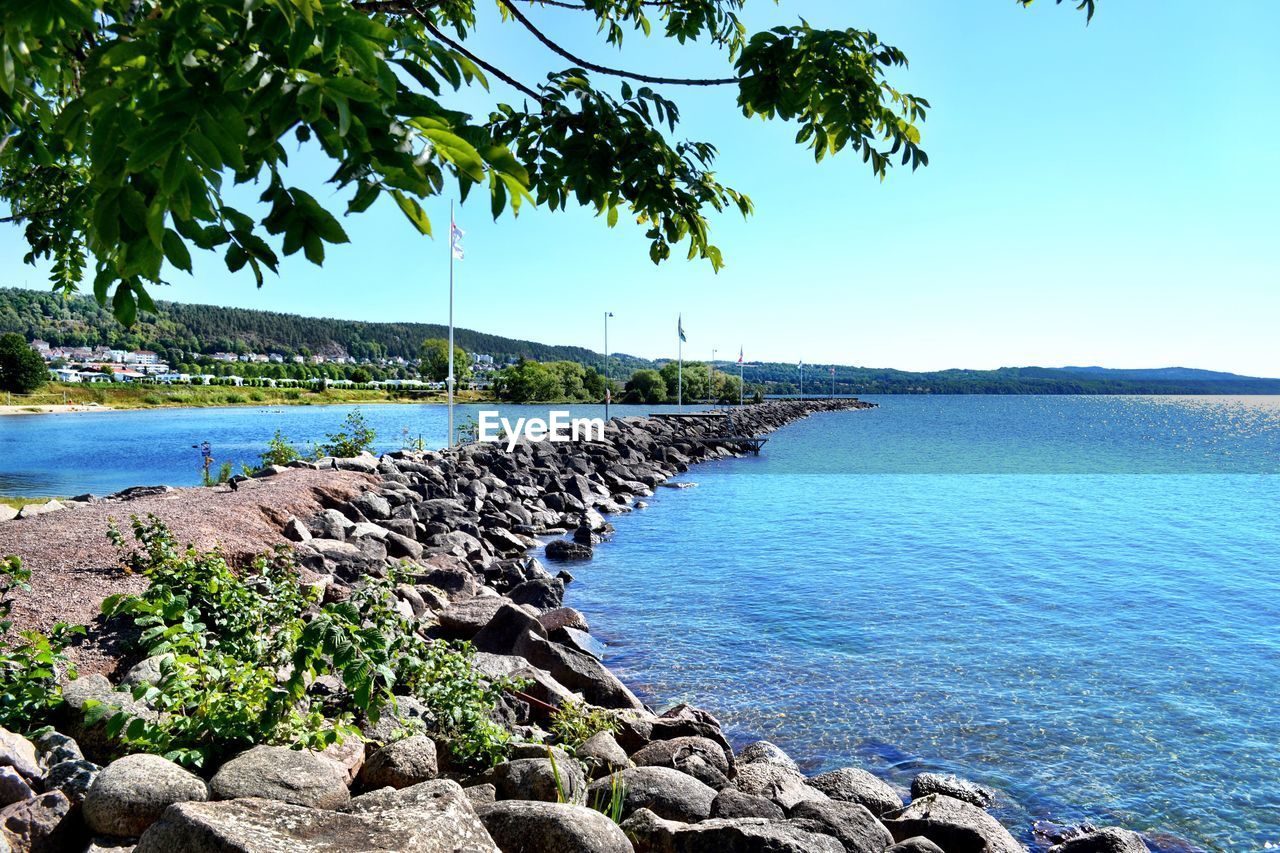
{"x":209,"y":328}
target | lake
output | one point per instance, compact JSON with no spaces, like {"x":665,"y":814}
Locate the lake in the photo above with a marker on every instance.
{"x":1074,"y":600}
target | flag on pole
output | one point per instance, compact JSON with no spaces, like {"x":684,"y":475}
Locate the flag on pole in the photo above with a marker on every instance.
{"x":455,"y":238}
{"x":739,"y":355}
{"x":680,"y":328}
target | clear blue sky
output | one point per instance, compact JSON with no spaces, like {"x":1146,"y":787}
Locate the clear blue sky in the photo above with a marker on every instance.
{"x":1100,"y":195}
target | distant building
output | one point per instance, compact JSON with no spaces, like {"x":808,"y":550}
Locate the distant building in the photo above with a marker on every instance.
{"x":40,"y":346}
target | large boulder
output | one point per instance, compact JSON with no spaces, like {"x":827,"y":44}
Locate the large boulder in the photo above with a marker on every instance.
{"x":434,"y":817}
{"x":855,"y":785}
{"x":602,"y":755}
{"x":73,"y":778}
{"x":19,"y":753}
{"x":700,"y":757}
{"x":279,"y":773}
{"x":131,"y":793}
{"x":916,"y":844}
{"x":14,"y":788}
{"x":664,"y":791}
{"x":954,"y":825}
{"x":531,"y":827}
{"x":536,"y":779}
{"x":652,"y":834}
{"x":764,"y":752}
{"x":951,"y":786}
{"x":853,"y":825}
{"x":543,"y":594}
{"x":41,"y":824}
{"x":733,"y":803}
{"x":1107,"y":840}
{"x":504,"y":634}
{"x":93,"y":739}
{"x":581,"y":672}
{"x":401,"y":764}
{"x":464,"y":618}
{"x":563,"y":550}
{"x":785,"y":787}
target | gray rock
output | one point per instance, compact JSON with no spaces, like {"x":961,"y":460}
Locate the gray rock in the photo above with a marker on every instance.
{"x":602,"y":755}
{"x":331,"y":524}
{"x":372,"y":505}
{"x":365,"y":463}
{"x":434,"y":817}
{"x":295,"y":530}
{"x":145,"y":671}
{"x":951,"y":786}
{"x":580,"y":671}
{"x":534,"y":779}
{"x":280,"y":773}
{"x":401,"y":764}
{"x":1106,"y":840}
{"x":13,"y":787}
{"x":732,"y":803}
{"x":130,"y":794}
{"x":408,"y":717}
{"x":464,"y":618}
{"x":917,"y":844}
{"x":785,"y":787}
{"x":652,"y":834}
{"x":73,"y":778}
{"x":7,"y":513}
{"x":764,"y":752}
{"x":42,"y":824}
{"x":71,"y":716}
{"x":700,"y":757}
{"x":55,"y":748}
{"x":527,"y":827}
{"x":541,"y":593}
{"x":954,"y":825}
{"x":565,"y":551}
{"x":19,"y":753}
{"x":402,"y":547}
{"x":854,"y":785}
{"x":662,"y":790}
{"x":854,"y":826}
{"x":504,"y":634}
{"x":563,"y":617}
{"x":481,"y":795}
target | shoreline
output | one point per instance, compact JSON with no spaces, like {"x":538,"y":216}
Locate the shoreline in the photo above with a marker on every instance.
{"x":472,"y":537}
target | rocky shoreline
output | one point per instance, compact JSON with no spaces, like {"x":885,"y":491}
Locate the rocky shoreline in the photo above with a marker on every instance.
{"x":463,"y":524}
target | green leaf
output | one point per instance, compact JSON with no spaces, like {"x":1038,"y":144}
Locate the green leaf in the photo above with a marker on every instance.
{"x":413,"y":212}
{"x":175,"y":249}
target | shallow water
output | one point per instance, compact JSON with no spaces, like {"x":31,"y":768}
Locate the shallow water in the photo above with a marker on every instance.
{"x":1097,"y":645}
{"x":1074,"y":600}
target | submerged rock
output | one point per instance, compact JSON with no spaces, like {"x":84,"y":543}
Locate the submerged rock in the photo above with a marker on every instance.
{"x":952,"y":786}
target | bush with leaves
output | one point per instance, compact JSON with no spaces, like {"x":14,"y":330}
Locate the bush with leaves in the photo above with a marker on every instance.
{"x":574,"y":723}
{"x":31,"y":663}
{"x":241,"y":649}
{"x":353,"y":437}
{"x":279,"y":452}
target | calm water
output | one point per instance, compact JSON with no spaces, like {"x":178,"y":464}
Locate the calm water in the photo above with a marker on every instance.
{"x":1074,"y":600}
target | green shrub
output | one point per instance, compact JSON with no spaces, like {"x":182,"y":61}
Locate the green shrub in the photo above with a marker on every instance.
{"x":574,"y":723}
{"x":279,"y":451}
{"x":244,"y":646}
{"x":353,"y":437}
{"x":233,"y":398}
{"x":31,"y":663}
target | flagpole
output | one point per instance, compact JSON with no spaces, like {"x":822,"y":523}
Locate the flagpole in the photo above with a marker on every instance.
{"x":449,"y":378}
{"x":802,"y":379}
{"x":741,"y":387}
{"x":679,"y":361}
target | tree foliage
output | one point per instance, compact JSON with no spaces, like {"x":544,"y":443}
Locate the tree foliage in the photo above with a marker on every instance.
{"x":125,"y":123}
{"x":434,"y":363}
{"x":22,"y":369}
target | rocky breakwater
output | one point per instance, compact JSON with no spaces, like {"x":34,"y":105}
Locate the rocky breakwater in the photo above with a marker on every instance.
{"x":459,"y":527}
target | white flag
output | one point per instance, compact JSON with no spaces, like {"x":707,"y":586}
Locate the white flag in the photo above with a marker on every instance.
{"x":455,"y":239}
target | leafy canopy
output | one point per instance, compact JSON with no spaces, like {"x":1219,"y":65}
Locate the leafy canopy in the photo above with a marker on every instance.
{"x":22,"y":369}
{"x":123,"y":123}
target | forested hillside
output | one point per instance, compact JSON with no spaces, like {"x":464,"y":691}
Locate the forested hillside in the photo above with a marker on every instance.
{"x":209,"y":328}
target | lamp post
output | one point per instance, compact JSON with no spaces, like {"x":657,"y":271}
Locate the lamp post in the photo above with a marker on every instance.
{"x":711,"y":378}
{"x":607,"y":393}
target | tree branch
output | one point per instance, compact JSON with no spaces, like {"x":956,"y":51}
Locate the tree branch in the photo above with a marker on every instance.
{"x":492,"y":69}
{"x":591,"y":66}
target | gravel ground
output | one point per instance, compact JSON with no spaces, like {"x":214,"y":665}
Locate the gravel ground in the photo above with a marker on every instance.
{"x":74,"y":567}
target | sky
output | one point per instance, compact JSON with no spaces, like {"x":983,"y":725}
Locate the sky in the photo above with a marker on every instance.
{"x":1101,"y":194}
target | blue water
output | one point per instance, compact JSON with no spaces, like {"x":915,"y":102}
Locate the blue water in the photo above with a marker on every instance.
{"x":103,"y":452}
{"x":919,"y":587}
{"x":1073,"y":600}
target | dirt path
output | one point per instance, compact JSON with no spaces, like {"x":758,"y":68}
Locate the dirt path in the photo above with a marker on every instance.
{"x":74,"y":567}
